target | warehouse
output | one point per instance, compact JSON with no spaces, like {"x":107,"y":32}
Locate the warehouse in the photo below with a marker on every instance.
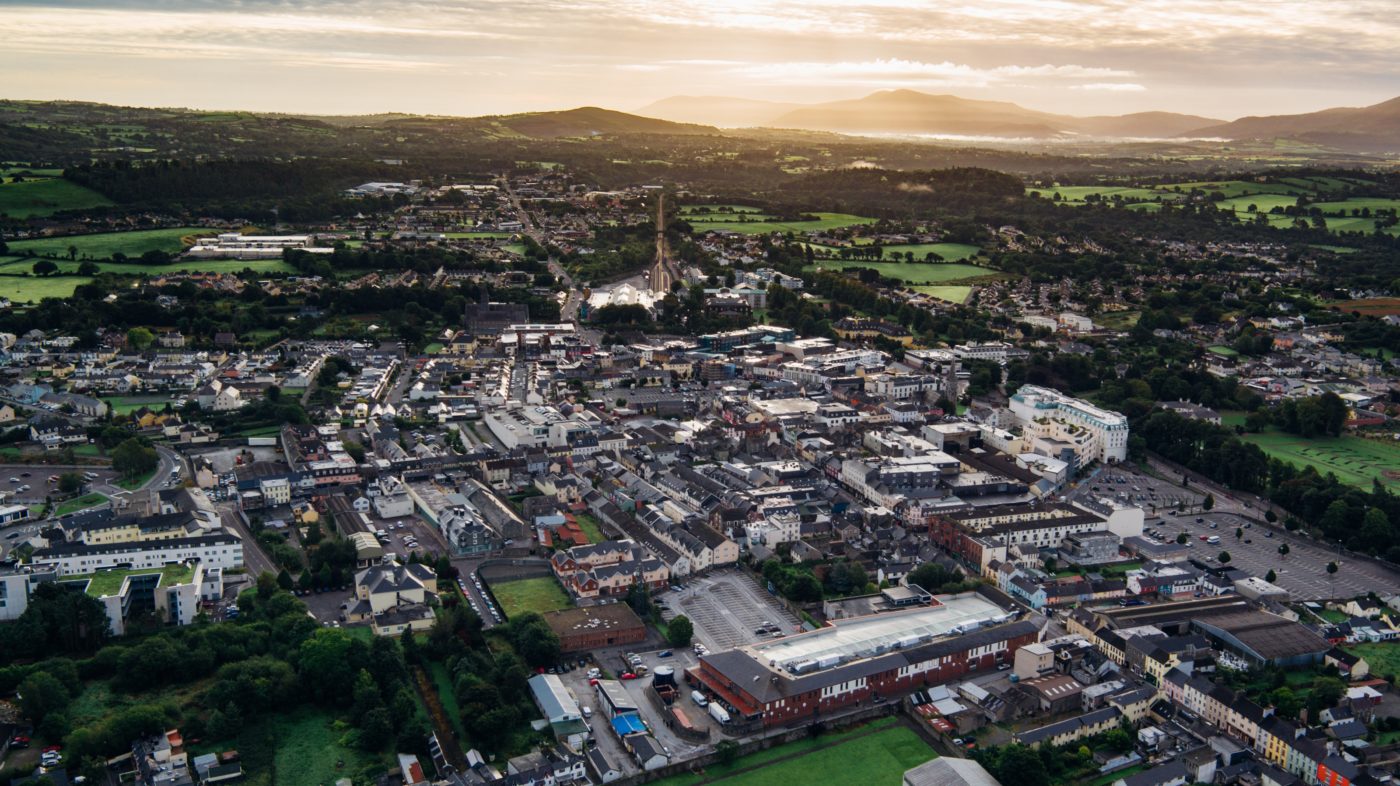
{"x":596,"y":627}
{"x":883,"y":656}
{"x":1265,"y":638}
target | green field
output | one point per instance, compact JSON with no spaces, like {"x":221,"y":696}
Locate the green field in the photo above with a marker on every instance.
{"x":590,"y":527}
{"x":706,"y":211}
{"x":1383,"y":657}
{"x":31,"y":290}
{"x":1112,"y":193}
{"x":876,"y":754}
{"x":478,"y":235}
{"x":913,"y":272}
{"x":122,"y":405}
{"x":1227,"y":352}
{"x":522,"y":595}
{"x":1354,"y":460}
{"x":184,"y":266}
{"x":39,"y":198}
{"x":948,"y":252}
{"x":81,"y":503}
{"x":104,"y":244}
{"x":825,"y":221}
{"x":953,"y":293}
{"x":1262,"y":203}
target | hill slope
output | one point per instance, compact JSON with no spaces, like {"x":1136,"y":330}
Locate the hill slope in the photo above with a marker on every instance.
{"x":1375,"y":127}
{"x":912,"y":112}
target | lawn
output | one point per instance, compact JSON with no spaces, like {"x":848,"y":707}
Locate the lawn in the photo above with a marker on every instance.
{"x":590,"y":527}
{"x":953,"y":293}
{"x":1354,"y":460}
{"x":442,"y":681}
{"x":914,"y":272}
{"x":109,"y":582}
{"x":185,"y":266}
{"x":29,"y":289}
{"x":433,"y":348}
{"x":522,"y":595}
{"x":305,"y":747}
{"x":40,"y":198}
{"x":131,"y":484}
{"x":122,"y":405}
{"x":81,"y":503}
{"x":947,"y":252}
{"x":1383,"y":657}
{"x":103,"y":245}
{"x":825,"y":221}
{"x":875,"y":754}
{"x":1228,"y":352}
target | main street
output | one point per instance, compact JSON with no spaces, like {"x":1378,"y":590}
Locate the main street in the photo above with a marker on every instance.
{"x":255,"y":560}
{"x":568,"y":311}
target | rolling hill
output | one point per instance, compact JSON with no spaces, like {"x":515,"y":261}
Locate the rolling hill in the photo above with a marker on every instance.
{"x":590,"y":121}
{"x":1373,"y":128}
{"x":912,"y":112}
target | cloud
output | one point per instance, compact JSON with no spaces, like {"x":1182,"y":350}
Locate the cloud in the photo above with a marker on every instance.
{"x":892,"y":72}
{"x":1111,"y":87}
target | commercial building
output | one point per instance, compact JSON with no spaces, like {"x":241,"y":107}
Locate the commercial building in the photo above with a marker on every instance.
{"x":1097,"y":434}
{"x":170,"y":593}
{"x":223,"y":550}
{"x":595,"y":627}
{"x":801,"y":677}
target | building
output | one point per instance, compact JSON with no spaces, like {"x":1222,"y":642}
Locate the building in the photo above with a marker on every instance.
{"x":558,"y":706}
{"x":595,"y":627}
{"x":170,"y":593}
{"x":1099,"y":434}
{"x":221,"y":550}
{"x":947,"y":771}
{"x":394,"y":598}
{"x":232,"y":245}
{"x":800,"y":677}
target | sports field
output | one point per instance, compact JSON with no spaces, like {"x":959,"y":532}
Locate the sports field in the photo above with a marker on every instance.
{"x":1354,"y":460}
{"x":103,"y":245}
{"x":45,"y":197}
{"x":876,"y":754}
{"x":522,"y":595}
{"x":953,"y":293}
{"x":913,"y":272}
{"x":824,"y":222}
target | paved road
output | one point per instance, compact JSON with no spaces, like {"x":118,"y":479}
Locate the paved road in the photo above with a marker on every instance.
{"x":255,"y":560}
{"x":568,"y":312}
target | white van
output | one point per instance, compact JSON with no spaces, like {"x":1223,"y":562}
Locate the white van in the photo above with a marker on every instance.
{"x":1214,"y":540}
{"x":699,"y":698}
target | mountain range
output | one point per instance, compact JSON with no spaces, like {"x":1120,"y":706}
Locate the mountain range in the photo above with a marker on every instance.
{"x":909,"y":112}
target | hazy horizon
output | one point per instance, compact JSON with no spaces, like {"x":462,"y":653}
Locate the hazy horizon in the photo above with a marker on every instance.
{"x":478,"y":57}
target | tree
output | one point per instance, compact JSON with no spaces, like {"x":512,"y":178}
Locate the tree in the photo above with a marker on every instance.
{"x":1283,"y":550}
{"x":1224,"y":558}
{"x":284,"y":580}
{"x":1271,"y":576}
{"x":89,"y":268}
{"x":70,"y":482}
{"x":1022,"y":766}
{"x":134,"y":458}
{"x":1239,"y":532}
{"x":726,"y":751}
{"x":1180,"y":538}
{"x":1332,"y":573}
{"x":680,"y":631}
{"x":1270,"y":516}
{"x":1286,"y":702}
{"x":1325,"y":693}
{"x":1209,"y":503}
{"x":42,"y":694}
{"x":139,"y":337}
{"x":45,"y":267}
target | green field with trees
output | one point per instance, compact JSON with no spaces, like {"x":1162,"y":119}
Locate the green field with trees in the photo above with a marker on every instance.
{"x":43,"y":197}
{"x":523,"y":595}
{"x":912,"y":272}
{"x":103,"y":245}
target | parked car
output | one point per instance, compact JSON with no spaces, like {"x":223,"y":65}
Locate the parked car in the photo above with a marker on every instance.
{"x":627,"y":675}
{"x":664,"y":654}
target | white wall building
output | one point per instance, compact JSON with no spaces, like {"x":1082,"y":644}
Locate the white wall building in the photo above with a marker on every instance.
{"x":1053,"y":415}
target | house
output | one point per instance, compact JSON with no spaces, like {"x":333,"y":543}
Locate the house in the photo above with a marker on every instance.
{"x":1171,"y":774}
{"x":603,"y":770}
{"x":393,"y":598}
{"x":646,"y":750}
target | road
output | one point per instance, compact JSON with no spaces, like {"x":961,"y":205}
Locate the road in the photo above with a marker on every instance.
{"x":568,"y":312}
{"x":255,"y":560}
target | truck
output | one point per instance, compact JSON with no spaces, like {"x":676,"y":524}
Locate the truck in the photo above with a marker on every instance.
{"x":719,"y":713}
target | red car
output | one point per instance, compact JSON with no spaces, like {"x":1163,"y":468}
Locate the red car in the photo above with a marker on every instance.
{"x":53,"y":749}
{"x":627,"y":675}
{"x":593,"y":683}
{"x":1205,"y":537}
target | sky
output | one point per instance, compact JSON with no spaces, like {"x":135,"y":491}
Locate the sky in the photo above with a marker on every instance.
{"x":1219,"y":58}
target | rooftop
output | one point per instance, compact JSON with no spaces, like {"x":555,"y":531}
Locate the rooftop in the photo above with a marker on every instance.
{"x":109,"y":582}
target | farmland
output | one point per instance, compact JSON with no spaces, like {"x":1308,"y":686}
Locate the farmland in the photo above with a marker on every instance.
{"x":182,"y":266}
{"x":948,"y":252}
{"x":39,"y":198}
{"x":522,"y":595}
{"x":875,"y":754}
{"x":914,"y":272}
{"x":1354,"y":460}
{"x":31,"y":290}
{"x":1371,"y":307}
{"x":953,"y":293}
{"x":104,"y":244}
{"x":823,"y":222}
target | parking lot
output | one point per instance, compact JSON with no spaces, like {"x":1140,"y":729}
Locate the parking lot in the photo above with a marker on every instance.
{"x":727,"y":608}
{"x":28,"y":484}
{"x":409,"y":534}
{"x":1303,"y":572}
{"x":1154,"y":495}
